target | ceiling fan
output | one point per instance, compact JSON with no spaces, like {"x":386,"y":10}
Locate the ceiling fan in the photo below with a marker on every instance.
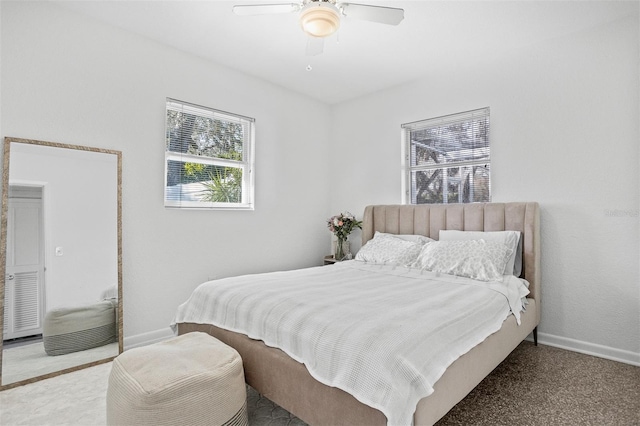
{"x":321,"y":18}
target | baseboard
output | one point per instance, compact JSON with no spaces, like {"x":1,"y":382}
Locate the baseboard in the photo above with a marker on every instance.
{"x":587,"y":348}
{"x":147,"y":338}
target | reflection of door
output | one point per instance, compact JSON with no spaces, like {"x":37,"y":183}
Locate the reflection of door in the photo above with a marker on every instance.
{"x":24,"y":304}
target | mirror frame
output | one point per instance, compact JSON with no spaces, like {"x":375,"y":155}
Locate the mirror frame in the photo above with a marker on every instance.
{"x":3,"y":252}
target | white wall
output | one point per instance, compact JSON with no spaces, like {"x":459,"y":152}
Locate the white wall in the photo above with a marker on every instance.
{"x":66,"y":78}
{"x":80,"y":217}
{"x":564,"y":132}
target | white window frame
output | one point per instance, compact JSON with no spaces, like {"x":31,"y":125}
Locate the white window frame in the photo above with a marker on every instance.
{"x":408,"y":192}
{"x":246,"y":164}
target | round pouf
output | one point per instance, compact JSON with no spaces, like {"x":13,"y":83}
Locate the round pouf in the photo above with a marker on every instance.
{"x":74,"y":329}
{"x":193,"y":379}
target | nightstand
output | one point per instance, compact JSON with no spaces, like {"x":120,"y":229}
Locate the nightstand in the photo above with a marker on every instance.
{"x":330,"y":260}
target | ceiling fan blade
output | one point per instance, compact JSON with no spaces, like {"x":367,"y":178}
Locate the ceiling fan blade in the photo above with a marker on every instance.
{"x":380,"y":14}
{"x":315,"y":46}
{"x":265,"y":9}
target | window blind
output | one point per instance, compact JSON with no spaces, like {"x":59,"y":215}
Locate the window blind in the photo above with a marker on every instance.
{"x":448,"y":158}
{"x":208,"y":157}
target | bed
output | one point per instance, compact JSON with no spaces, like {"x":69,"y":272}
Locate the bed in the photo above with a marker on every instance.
{"x":290,"y":384}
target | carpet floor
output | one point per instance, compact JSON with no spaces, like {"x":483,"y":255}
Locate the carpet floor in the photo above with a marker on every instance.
{"x":543,"y":385}
{"x":534,"y":386}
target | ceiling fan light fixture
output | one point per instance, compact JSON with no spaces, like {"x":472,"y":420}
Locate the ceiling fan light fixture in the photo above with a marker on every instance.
{"x":320,"y":19}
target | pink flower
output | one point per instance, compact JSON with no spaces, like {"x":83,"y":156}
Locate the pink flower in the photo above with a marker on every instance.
{"x":342,"y":225}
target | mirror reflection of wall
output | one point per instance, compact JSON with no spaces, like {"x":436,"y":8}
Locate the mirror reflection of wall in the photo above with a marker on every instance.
{"x":80,"y":218}
{"x":62,"y":267}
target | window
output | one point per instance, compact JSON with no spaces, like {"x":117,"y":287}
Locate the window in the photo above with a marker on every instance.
{"x":447,"y":159}
{"x":208,"y":158}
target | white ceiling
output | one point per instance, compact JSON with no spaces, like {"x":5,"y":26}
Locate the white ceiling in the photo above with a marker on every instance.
{"x":369,"y":56}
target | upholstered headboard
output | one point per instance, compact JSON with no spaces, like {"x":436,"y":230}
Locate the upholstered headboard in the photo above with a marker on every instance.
{"x":429,"y":219}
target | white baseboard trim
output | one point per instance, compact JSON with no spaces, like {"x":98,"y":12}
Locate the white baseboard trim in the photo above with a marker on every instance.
{"x":147,"y":338}
{"x":587,"y":348}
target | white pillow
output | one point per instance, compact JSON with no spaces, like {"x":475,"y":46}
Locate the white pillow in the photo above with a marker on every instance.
{"x":478,"y":259}
{"x":386,"y":248}
{"x":510,"y":238}
{"x":415,"y":238}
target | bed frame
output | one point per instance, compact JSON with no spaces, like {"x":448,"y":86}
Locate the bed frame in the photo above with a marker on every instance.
{"x":288,"y":383}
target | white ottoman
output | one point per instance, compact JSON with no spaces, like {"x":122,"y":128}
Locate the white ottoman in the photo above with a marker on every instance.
{"x":193,"y":379}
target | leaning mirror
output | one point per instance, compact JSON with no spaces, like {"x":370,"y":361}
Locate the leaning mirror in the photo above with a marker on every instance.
{"x":61,"y":259}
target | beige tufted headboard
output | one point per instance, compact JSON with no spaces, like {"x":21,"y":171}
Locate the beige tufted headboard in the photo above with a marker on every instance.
{"x":429,"y":219}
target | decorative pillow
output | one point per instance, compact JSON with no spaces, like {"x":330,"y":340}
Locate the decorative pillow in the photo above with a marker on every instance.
{"x":386,"y":248}
{"x":414,"y":238}
{"x":478,"y":259}
{"x":510,"y":238}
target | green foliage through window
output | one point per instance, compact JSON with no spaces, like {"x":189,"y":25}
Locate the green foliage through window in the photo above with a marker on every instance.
{"x":208,"y":158}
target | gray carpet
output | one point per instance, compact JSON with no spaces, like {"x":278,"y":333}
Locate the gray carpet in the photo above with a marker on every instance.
{"x":533,"y":386}
{"x":263,"y":412}
{"x":549,"y":386}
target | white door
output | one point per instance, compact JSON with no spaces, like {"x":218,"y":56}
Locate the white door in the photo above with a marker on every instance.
{"x":24,"y":281}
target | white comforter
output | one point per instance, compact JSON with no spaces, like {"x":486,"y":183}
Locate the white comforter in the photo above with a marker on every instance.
{"x":383,"y":334}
